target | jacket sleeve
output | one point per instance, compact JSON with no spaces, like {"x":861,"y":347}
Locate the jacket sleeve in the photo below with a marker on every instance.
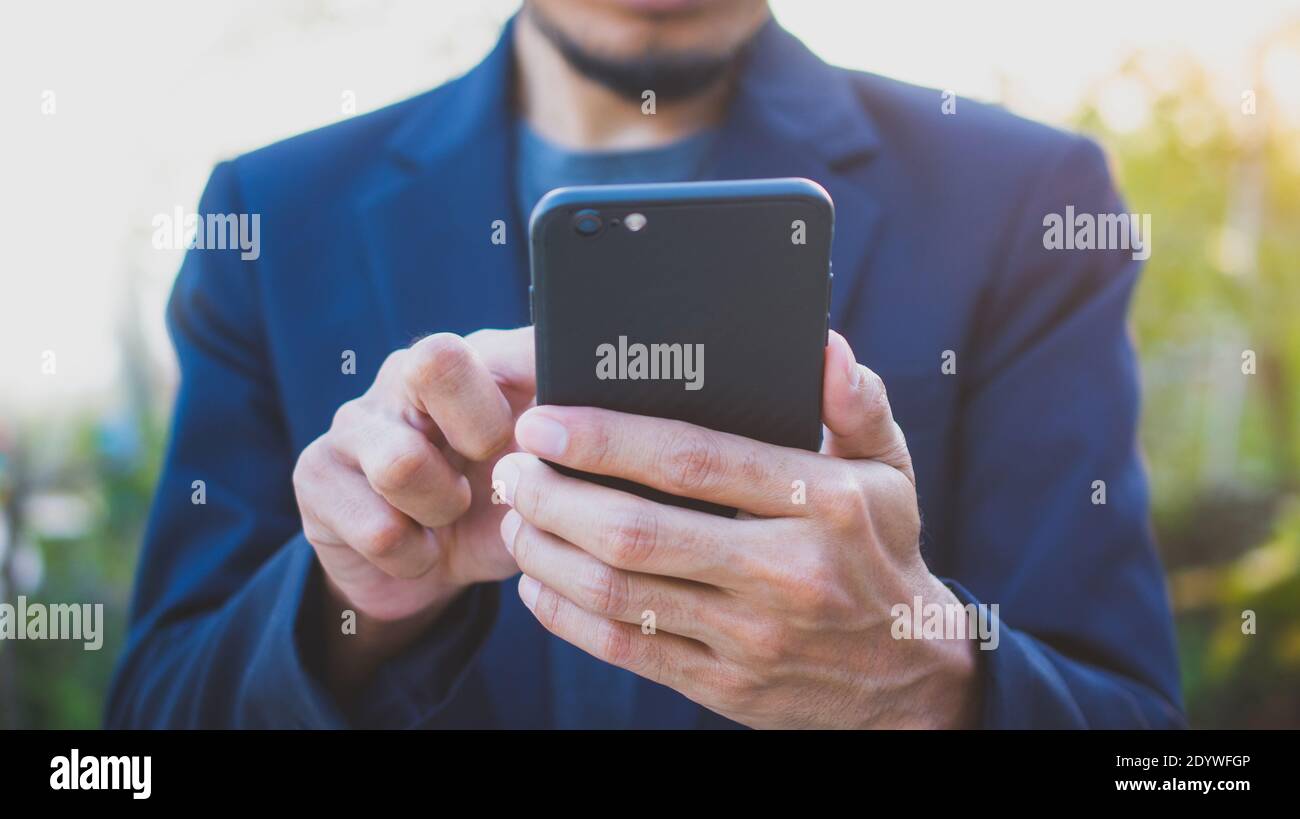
{"x":226,"y":580}
{"x":1048,"y":424}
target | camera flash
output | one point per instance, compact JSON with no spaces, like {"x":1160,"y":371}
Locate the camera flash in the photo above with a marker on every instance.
{"x":634,"y":221}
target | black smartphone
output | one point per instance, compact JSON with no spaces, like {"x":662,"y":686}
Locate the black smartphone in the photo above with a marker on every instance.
{"x":704,"y":302}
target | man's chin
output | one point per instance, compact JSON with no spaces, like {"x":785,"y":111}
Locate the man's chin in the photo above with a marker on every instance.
{"x":660,"y":7}
{"x":672,"y":75}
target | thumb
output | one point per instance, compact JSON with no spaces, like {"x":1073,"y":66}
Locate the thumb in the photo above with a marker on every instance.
{"x":855,"y":410}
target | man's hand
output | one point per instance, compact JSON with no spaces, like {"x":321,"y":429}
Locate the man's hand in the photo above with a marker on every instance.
{"x":779,"y":618}
{"x":396,"y":497}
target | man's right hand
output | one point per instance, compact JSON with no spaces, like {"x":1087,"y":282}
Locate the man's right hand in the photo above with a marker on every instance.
{"x":397,"y":498}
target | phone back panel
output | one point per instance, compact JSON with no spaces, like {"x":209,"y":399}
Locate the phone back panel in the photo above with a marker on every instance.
{"x":740,"y":271}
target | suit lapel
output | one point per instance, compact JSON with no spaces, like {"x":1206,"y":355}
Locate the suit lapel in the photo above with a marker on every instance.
{"x":793,"y":115}
{"x":429,"y":232}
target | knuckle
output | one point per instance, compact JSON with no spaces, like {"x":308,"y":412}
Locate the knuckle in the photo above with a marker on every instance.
{"x":614,"y":642}
{"x":608,"y":590}
{"x":753,"y":469}
{"x":631,"y":537}
{"x":690,"y":461}
{"x":309,"y":468}
{"x":399,"y":467}
{"x":347,"y":415}
{"x":530,"y":497}
{"x":315,"y":534}
{"x":829,"y":604}
{"x":812,"y":589}
{"x":457,"y":498}
{"x":383,"y":538}
{"x":824,"y":601}
{"x":899,"y":455}
{"x":393,"y":363}
{"x":848,"y":507}
{"x":483,"y":443}
{"x":596,"y":444}
{"x":892,"y":485}
{"x":767,"y":642}
{"x":442,"y":359}
{"x":547,"y":609}
{"x":522,"y":547}
{"x":855,"y":511}
{"x":896,"y":452}
{"x":877,"y":397}
{"x":737,"y":688}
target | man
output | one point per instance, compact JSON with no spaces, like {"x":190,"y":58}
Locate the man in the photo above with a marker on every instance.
{"x":368,"y":501}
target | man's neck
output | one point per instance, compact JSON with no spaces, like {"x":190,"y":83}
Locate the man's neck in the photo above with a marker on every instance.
{"x":571,"y":110}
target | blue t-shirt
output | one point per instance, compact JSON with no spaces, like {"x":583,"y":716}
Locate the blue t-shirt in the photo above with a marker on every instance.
{"x":589,"y":693}
{"x":541,"y":165}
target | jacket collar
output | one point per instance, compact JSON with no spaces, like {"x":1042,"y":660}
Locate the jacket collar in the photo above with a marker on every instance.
{"x":783,"y":88}
{"x":788,"y":93}
{"x":457,"y":116}
{"x":792,"y":115}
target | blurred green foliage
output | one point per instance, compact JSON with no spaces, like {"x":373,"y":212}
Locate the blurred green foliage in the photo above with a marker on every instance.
{"x":58,"y":683}
{"x":1223,"y":188}
{"x":1221,"y":290}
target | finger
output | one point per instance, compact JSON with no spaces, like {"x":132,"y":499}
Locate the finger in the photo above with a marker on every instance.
{"x":401,"y":465}
{"x":661,"y":657}
{"x":626,"y":531}
{"x":676,"y":606}
{"x":359,"y":521}
{"x":673,"y":456}
{"x":509,"y":356}
{"x":446,"y":379}
{"x":855,"y":410}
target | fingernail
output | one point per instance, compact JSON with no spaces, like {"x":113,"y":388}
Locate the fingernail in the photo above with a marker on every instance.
{"x":853,"y":372}
{"x":504,"y":477}
{"x":541,"y":435}
{"x":509,"y":527}
{"x":528,"y":591}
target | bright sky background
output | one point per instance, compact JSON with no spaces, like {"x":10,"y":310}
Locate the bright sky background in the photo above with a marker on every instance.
{"x":149,"y":95}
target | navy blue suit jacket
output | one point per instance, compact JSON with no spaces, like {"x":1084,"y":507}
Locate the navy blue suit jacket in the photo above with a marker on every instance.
{"x":376,"y":231}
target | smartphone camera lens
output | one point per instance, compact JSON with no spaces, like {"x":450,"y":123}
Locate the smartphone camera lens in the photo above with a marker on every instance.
{"x":587,"y":222}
